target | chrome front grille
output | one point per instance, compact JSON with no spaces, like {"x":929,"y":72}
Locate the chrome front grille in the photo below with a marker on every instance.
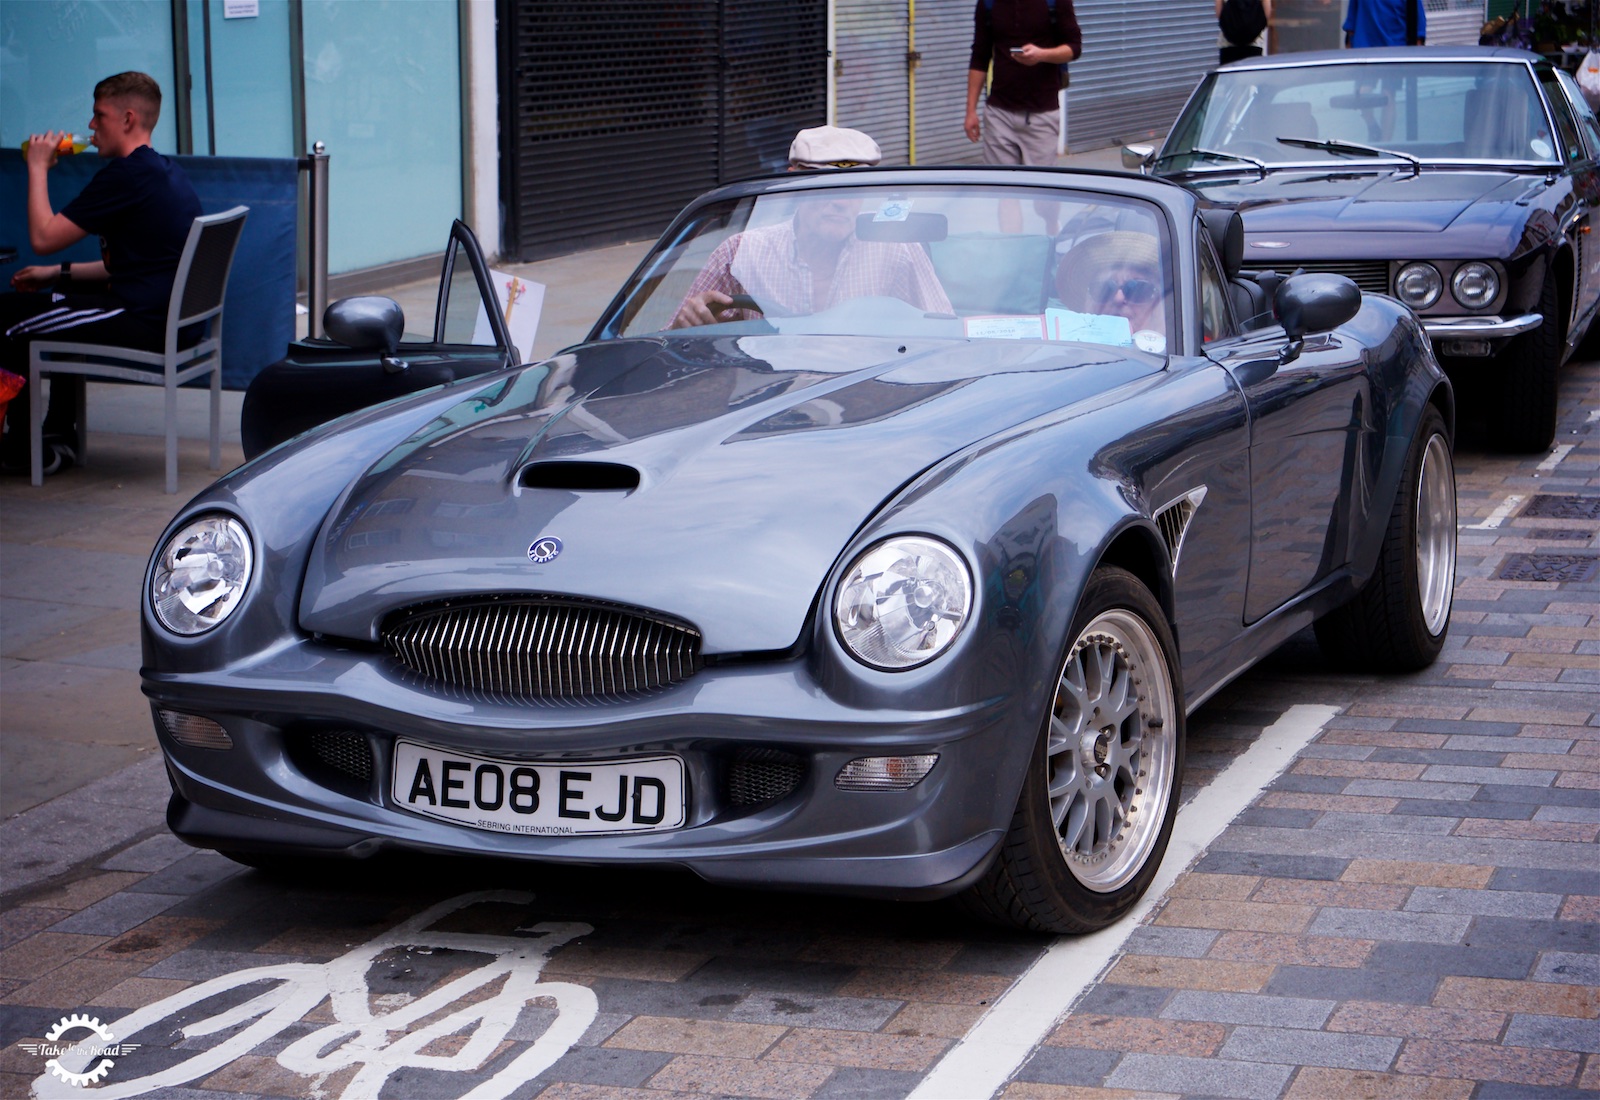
{"x":542,"y":648}
{"x":1372,"y":276}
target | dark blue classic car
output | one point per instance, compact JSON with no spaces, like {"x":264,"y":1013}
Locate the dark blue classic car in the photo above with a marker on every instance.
{"x":864,"y":546}
{"x":1459,"y":180}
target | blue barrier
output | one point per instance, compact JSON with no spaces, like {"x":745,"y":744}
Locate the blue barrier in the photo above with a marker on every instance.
{"x":259,"y":314}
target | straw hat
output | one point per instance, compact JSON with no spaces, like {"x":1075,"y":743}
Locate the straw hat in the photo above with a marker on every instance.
{"x":1091,"y":256}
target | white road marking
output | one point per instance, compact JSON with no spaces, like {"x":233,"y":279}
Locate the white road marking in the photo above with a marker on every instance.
{"x":1557,"y":453}
{"x":1498,"y":516}
{"x":998,"y":1044}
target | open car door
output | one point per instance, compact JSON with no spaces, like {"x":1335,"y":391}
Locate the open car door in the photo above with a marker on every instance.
{"x":368,"y":354}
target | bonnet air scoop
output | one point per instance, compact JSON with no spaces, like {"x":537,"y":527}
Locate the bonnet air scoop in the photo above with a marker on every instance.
{"x":580,"y":477}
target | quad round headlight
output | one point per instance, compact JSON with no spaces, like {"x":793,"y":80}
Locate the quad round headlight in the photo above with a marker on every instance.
{"x":1475,"y":285}
{"x":902,"y":602}
{"x":1418,"y":285}
{"x":201,"y":574}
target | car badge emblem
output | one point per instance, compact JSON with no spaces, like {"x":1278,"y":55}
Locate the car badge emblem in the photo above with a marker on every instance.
{"x":544,"y":550}
{"x":1269,"y":244}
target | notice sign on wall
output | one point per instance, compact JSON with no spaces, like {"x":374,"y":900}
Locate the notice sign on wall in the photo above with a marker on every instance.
{"x":241,"y":9}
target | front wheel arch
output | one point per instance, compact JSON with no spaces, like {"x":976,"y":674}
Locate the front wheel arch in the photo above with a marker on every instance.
{"x":1100,"y":793}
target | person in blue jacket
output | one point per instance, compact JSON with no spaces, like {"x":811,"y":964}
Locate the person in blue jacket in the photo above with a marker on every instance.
{"x":1385,"y":23}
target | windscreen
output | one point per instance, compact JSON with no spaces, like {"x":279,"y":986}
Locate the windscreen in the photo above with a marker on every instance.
{"x":1429,"y":110}
{"x":961,"y":262}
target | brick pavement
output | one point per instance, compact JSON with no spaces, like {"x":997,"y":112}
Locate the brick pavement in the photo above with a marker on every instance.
{"x":1412,"y":909}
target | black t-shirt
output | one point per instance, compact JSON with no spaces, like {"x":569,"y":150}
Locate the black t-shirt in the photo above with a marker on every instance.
{"x":1002,"y":24}
{"x":141,"y":207}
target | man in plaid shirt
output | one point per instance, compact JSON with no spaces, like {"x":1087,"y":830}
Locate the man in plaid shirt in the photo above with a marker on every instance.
{"x":814,"y":260}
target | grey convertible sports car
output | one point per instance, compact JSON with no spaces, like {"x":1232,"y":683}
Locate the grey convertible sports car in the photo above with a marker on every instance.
{"x":879,"y":539}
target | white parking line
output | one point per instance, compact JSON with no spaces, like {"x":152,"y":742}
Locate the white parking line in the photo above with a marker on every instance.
{"x":998,"y":1044}
{"x":1557,"y":453}
{"x":1498,"y":516}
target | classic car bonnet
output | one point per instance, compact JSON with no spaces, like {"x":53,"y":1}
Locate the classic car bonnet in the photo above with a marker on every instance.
{"x":715,"y":479}
{"x":1339,"y":200}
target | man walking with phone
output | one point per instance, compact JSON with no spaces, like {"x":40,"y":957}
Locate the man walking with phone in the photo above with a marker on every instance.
{"x":1026,"y":42}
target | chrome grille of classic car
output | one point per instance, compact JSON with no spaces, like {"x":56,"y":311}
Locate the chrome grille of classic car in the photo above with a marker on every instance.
{"x":1372,"y":276}
{"x":542,"y":648}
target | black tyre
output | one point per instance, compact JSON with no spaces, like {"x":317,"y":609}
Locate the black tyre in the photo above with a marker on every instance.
{"x":1530,"y":379}
{"x":1100,"y":797}
{"x":1398,"y":621}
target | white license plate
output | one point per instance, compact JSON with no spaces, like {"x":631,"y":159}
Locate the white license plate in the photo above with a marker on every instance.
{"x":637,"y":795}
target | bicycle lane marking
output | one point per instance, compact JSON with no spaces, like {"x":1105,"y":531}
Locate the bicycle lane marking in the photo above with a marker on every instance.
{"x":1019,"y":1020}
{"x":357,"y":1036}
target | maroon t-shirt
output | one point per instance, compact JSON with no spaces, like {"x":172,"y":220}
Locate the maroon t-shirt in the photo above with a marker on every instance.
{"x":1008,"y":23}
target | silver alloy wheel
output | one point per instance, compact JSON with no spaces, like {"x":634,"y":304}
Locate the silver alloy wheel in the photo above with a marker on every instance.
{"x":1436,"y":533}
{"x":1110,"y":755}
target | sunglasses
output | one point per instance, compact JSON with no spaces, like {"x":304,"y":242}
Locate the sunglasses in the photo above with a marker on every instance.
{"x":1137,"y":291}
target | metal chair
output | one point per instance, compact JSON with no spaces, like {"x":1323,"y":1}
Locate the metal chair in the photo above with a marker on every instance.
{"x":197,"y":294}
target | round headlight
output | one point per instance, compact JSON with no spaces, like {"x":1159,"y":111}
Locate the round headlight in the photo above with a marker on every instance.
{"x":1418,"y":285}
{"x":903,"y":602}
{"x":201,"y":574}
{"x":1475,"y":285}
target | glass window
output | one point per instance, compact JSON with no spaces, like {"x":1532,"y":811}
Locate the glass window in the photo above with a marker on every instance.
{"x":1216,"y":323}
{"x":52,"y":56}
{"x":383,"y":82}
{"x":1433,"y":110}
{"x":1566,"y":127}
{"x":251,"y":109}
{"x":464,"y":320}
{"x":931,"y":260}
{"x":1588,"y":127}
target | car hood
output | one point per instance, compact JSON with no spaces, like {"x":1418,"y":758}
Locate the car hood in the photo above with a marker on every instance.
{"x":713,"y":479}
{"x":1324,"y":200}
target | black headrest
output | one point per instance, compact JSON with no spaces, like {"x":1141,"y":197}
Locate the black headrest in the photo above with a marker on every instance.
{"x":1227,"y":233}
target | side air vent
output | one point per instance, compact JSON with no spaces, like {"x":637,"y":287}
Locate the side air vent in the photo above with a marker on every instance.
{"x":580,"y":477}
{"x":763,"y":775}
{"x":1174,"y":521}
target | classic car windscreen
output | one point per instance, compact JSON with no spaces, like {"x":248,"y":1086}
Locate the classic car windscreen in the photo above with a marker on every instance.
{"x":1433,"y":111}
{"x":974,"y":263}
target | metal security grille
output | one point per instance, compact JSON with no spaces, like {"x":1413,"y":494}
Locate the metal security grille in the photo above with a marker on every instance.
{"x":944,"y":45}
{"x":775,"y":83}
{"x":1372,"y":276}
{"x":1140,"y":61}
{"x":613,"y":114}
{"x":870,"y":44}
{"x":542,"y":649}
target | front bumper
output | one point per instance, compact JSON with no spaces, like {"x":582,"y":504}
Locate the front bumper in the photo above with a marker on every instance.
{"x":272,"y":793}
{"x":1477,"y":335}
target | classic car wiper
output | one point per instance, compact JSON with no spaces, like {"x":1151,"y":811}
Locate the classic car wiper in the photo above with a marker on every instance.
{"x":1258,"y":165}
{"x":1355,"y":150}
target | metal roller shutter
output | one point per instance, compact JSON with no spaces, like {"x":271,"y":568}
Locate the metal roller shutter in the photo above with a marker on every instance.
{"x":944,"y":39}
{"x":615,"y":114}
{"x":774,"y":84}
{"x":1139,"y":64}
{"x":870,"y":40}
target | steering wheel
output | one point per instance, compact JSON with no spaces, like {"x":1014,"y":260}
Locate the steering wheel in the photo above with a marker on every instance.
{"x":744,"y":302}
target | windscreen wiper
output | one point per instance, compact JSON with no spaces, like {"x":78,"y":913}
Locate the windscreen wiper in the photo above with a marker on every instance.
{"x":1258,"y":165}
{"x":1354,"y":149}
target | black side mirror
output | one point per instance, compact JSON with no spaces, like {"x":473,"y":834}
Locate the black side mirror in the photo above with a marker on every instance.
{"x":369,"y":323}
{"x":1313,"y":303}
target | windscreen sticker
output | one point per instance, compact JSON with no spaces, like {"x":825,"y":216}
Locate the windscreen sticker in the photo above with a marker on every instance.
{"x":1004,"y":328}
{"x":1090,"y":328}
{"x":893,"y":210}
